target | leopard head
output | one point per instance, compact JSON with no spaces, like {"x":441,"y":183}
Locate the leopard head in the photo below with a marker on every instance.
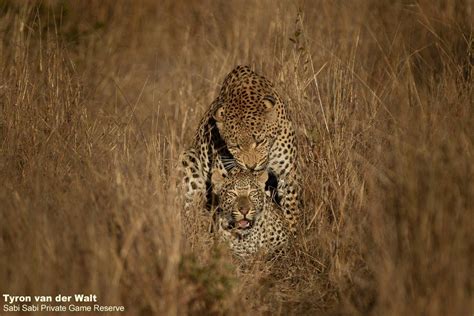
{"x":241,"y":197}
{"x":247,"y":118}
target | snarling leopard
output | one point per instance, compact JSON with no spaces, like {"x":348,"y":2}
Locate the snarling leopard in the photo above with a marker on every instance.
{"x":248,"y":220}
{"x":247,"y":126}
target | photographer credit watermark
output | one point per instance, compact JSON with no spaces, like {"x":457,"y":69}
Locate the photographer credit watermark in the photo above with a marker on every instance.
{"x":57,"y":303}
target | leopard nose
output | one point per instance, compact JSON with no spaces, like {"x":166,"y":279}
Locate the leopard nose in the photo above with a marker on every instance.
{"x":243,"y":210}
{"x":243,"y":205}
{"x":251,"y":167}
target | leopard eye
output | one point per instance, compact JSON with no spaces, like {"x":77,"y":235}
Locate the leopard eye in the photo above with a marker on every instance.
{"x":253,"y":193}
{"x":233,"y":146}
{"x":232,"y":194}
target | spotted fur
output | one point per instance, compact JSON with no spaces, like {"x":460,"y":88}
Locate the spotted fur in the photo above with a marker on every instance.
{"x":247,"y":126}
{"x":242,"y":199}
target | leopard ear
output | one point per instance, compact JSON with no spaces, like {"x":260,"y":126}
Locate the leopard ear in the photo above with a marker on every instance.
{"x":217,"y":180}
{"x":219,"y":114}
{"x":269,"y":101}
{"x":262,"y":178}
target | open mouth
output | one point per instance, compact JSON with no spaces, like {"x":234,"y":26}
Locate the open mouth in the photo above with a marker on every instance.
{"x":243,"y":224}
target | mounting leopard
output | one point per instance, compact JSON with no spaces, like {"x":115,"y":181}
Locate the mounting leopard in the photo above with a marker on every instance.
{"x":248,"y":220}
{"x":248,"y":126}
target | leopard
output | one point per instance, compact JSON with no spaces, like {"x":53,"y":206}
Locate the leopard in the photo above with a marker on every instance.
{"x":247,"y":219}
{"x":248,"y":126}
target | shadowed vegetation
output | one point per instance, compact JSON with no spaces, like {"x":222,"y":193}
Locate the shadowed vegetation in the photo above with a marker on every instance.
{"x":98,"y":99}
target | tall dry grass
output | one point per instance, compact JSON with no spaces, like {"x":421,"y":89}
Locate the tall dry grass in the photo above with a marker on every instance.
{"x":98,"y":99}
